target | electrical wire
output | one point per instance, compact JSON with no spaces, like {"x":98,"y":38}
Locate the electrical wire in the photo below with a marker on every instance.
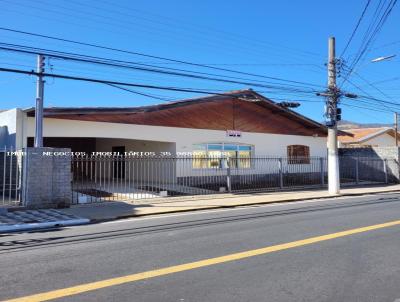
{"x":370,"y":36}
{"x":368,"y":108}
{"x":355,"y":29}
{"x":111,"y":62}
{"x":67,"y":77}
{"x":107,"y":22}
{"x":204,"y":28}
{"x":382,"y":102}
{"x":139,"y":93}
{"x":146,"y":55}
{"x":205,"y":32}
{"x":102,"y":62}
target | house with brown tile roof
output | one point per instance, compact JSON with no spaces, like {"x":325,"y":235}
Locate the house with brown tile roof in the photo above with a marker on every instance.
{"x":238,"y":120}
{"x":369,"y":137}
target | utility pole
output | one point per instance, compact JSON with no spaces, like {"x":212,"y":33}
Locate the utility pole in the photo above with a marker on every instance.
{"x":396,"y":118}
{"x":332,"y":114}
{"x":39,"y":102}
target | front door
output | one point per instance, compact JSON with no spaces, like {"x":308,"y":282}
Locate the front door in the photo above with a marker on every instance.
{"x":119,"y":161}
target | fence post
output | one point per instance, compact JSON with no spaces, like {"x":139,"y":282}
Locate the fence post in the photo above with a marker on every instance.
{"x":228,"y":175}
{"x":3,"y":187}
{"x":385,"y":170}
{"x":357,"y":171}
{"x":321,"y":163}
{"x":280,"y":173}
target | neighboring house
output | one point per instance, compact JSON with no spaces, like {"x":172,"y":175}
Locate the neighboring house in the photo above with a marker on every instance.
{"x":369,"y":137}
{"x":238,"y":123}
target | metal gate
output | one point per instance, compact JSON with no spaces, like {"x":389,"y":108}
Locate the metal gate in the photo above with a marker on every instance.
{"x":367,"y":170}
{"x":10,"y":180}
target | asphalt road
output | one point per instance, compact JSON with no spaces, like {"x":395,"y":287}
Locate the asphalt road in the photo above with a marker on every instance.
{"x":357,"y":267}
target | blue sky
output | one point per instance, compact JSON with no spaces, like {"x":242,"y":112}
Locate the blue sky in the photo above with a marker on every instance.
{"x":285,"y":39}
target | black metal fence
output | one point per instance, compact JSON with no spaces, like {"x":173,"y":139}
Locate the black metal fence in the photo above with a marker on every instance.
{"x":368,"y":170}
{"x":9,"y":178}
{"x":119,"y":178}
{"x":129,"y":178}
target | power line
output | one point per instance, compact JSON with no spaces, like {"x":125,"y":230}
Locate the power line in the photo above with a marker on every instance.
{"x":387,"y":80}
{"x":379,"y":101}
{"x":106,"y":63}
{"x":366,"y":111}
{"x":373,"y":86}
{"x":192,"y":28}
{"x":115,"y":83}
{"x":207,"y":28}
{"x":149,"y":56}
{"x":105,"y":22}
{"x":387,"y":104}
{"x":248,"y":64}
{"x":368,"y":108}
{"x":373,"y":104}
{"x":118,"y":85}
{"x":382,"y":102}
{"x":19,"y":71}
{"x":371,"y":33}
{"x":355,"y":29}
{"x":387,"y":45}
{"x":112,"y":62}
{"x":139,"y":93}
{"x":210,"y":37}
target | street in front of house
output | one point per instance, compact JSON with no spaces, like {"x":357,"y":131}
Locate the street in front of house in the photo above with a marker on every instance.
{"x":351,"y":255}
{"x":202,"y":159}
{"x":18,"y":219}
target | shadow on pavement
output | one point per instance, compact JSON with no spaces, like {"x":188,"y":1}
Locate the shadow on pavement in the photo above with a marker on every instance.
{"x":104,"y":210}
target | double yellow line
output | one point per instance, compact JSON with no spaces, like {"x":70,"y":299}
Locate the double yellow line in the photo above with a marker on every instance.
{"x":74,"y":290}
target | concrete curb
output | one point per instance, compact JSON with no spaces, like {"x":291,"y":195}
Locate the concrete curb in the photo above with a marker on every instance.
{"x":42,"y":225}
{"x":92,"y":221}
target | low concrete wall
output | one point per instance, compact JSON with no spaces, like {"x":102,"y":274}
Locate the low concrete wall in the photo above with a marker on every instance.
{"x":381,"y":152}
{"x":46,"y":179}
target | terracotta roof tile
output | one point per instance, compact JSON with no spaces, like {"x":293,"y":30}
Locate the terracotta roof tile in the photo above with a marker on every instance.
{"x":361,"y":133}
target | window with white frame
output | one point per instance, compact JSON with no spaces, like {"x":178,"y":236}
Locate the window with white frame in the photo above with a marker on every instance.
{"x":212,"y":155}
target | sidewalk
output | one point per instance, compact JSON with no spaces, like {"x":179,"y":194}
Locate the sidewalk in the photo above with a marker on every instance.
{"x":115,"y":210}
{"x":27,"y":220}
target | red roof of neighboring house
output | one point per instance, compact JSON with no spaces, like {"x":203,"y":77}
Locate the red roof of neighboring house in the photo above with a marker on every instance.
{"x":363,"y":134}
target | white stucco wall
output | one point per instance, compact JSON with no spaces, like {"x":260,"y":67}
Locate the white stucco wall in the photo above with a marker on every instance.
{"x":265,"y":144}
{"x":11,"y":122}
{"x":173,"y":139}
{"x":106,"y":144}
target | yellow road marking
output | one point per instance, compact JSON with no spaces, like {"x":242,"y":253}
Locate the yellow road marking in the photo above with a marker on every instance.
{"x":74,"y":290}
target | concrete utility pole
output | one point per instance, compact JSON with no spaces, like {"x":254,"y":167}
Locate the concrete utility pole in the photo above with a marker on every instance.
{"x":39,"y":102}
{"x":332,"y":99}
{"x":396,"y":118}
